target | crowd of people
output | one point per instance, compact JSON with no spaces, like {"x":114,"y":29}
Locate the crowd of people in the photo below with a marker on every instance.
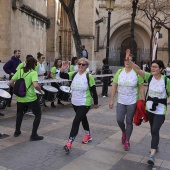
{"x":127,"y":83}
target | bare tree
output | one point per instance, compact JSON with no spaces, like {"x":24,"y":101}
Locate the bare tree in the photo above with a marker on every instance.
{"x":153,"y":10}
{"x":69,"y":10}
{"x":164,"y":21}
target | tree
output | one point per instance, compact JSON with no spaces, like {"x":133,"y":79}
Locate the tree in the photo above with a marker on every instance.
{"x":164,"y":21}
{"x":134,"y":7}
{"x":153,"y":10}
{"x":69,"y":10}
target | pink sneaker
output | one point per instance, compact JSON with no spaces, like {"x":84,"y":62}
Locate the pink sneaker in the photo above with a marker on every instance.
{"x":127,"y":146}
{"x":67,"y":147}
{"x":123,"y":138}
{"x":87,"y":138}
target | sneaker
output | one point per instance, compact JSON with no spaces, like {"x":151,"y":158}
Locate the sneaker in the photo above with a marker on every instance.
{"x":1,"y":134}
{"x":9,"y":105}
{"x":59,"y":102}
{"x":53,"y":105}
{"x":87,"y":138}
{"x":127,"y":146}
{"x":17,"y":133}
{"x":36,"y":137}
{"x":67,"y":147}
{"x":123,"y":138}
{"x":45,"y":105}
{"x":104,"y":96}
{"x":151,"y":160}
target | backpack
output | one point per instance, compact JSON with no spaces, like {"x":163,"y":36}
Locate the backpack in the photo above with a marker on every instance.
{"x":20,"y":89}
{"x":149,"y":80}
{"x":88,"y":81}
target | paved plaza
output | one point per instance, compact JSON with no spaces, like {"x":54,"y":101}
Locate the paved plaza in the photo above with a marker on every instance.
{"x":104,"y":152}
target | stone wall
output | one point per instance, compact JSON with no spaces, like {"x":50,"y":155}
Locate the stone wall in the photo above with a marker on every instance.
{"x":4,"y":29}
{"x":22,"y":31}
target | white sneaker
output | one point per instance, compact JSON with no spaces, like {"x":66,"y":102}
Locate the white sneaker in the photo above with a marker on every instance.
{"x":29,"y":112}
{"x":104,"y":96}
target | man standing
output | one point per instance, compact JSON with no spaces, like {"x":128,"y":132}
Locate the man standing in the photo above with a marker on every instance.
{"x":10,"y":68}
{"x":84,"y":52}
{"x":105,"y":70}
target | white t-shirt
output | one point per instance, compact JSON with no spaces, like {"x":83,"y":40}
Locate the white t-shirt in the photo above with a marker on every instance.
{"x":76,"y":67}
{"x":58,"y":73}
{"x":157,"y":89}
{"x":168,"y":71}
{"x":41,"y":70}
{"x":79,"y":87}
{"x":143,"y":67}
{"x":128,"y":90}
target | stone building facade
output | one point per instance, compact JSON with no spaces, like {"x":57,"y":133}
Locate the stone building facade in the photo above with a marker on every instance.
{"x":42,"y":25}
{"x":23,"y":26}
{"x":94,"y":35}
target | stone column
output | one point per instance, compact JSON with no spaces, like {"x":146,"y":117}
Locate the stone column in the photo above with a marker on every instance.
{"x":52,"y":38}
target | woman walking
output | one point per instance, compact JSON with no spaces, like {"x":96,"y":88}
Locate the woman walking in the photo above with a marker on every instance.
{"x":156,"y":105}
{"x":128,"y":84}
{"x":30,"y":100}
{"x":83,"y":86}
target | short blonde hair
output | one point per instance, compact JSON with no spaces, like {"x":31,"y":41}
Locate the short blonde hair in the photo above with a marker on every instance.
{"x":84,"y":59}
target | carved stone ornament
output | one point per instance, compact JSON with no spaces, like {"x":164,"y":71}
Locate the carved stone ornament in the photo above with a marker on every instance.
{"x":16,"y":4}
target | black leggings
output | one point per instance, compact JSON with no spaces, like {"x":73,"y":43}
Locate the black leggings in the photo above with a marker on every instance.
{"x":80,"y":116}
{"x":156,"y":122}
{"x":35,"y":107}
{"x":57,"y":86}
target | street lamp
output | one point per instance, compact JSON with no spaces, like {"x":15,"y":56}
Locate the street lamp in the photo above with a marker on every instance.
{"x":157,"y":28}
{"x":157,"y":36}
{"x":109,"y":7}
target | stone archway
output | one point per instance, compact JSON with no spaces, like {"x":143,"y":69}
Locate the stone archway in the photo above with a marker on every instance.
{"x":126,"y":45}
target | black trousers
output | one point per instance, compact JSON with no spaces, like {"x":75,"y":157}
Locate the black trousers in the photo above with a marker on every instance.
{"x":80,"y":116}
{"x":156,"y":122}
{"x":105,"y":86}
{"x":57,"y":86}
{"x":35,"y":107}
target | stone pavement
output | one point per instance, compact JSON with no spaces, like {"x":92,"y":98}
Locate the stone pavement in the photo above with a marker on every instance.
{"x":105,"y":152}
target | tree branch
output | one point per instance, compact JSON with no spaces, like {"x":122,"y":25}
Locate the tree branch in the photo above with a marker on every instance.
{"x":64,"y":5}
{"x":71,"y":4}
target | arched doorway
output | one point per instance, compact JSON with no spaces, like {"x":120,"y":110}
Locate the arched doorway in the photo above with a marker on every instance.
{"x":124,"y":46}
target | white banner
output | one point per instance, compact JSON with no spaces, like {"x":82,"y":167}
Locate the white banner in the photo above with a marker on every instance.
{"x":155,"y":45}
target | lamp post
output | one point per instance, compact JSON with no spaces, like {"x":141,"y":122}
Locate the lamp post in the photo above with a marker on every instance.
{"x":157,"y":36}
{"x":109,"y":7}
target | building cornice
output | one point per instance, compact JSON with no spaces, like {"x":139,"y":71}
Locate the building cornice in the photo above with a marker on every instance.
{"x":83,"y":36}
{"x":31,"y":12}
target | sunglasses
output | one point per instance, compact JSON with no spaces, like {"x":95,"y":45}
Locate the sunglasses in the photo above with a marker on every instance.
{"x":81,"y":64}
{"x":43,"y":57}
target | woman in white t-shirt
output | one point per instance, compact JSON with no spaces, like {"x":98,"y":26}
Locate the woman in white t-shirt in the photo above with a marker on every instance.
{"x":41,"y":70}
{"x":128,"y":84}
{"x":156,"y":105}
{"x":82,"y":88}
